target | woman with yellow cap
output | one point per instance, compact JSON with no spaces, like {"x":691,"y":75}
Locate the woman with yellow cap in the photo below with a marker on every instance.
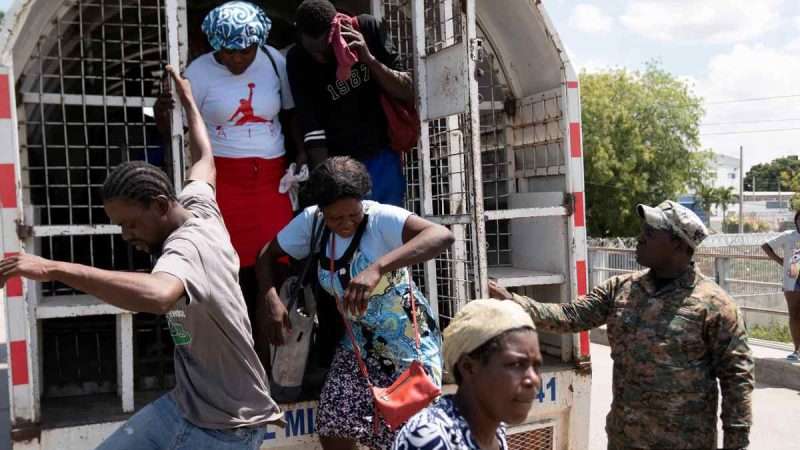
{"x":492,"y":350}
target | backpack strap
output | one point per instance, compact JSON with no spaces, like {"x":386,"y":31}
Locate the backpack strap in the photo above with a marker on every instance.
{"x":317,"y":229}
{"x":265,"y":48}
{"x":341,"y":265}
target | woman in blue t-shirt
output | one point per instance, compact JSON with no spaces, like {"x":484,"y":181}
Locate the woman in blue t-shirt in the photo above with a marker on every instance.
{"x":370,"y":246}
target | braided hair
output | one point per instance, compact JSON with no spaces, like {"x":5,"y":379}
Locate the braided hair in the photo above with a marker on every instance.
{"x":337,"y":178}
{"x":137,"y":180}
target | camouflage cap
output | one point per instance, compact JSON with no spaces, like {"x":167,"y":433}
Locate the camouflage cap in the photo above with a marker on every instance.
{"x":677,"y":218}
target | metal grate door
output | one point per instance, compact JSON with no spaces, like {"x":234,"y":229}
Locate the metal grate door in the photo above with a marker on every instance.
{"x":87,"y":93}
{"x":444,"y":176}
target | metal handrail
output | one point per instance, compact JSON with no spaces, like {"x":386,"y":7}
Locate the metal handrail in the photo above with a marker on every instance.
{"x":700,"y":253}
{"x":757,"y":283}
{"x":721,"y":262}
{"x":765,"y":310}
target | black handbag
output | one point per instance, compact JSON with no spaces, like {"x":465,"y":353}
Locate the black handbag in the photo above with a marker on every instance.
{"x":289,"y":362}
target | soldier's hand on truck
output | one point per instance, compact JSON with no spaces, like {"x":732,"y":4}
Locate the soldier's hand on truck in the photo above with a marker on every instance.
{"x":498,"y":292}
{"x":358,"y":292}
{"x":25,"y":265}
{"x":272,"y":319}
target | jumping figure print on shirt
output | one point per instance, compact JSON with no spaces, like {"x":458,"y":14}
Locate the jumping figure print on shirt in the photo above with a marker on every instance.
{"x":794,"y":269}
{"x":246,"y":110}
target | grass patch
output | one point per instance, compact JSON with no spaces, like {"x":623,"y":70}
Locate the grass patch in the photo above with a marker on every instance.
{"x":777,"y":333}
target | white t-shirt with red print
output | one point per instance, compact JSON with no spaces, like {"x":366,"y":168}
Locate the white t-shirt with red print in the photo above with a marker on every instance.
{"x":788,"y":243}
{"x":241,"y":111}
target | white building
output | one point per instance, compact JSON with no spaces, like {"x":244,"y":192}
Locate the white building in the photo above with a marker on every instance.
{"x":726,"y":169}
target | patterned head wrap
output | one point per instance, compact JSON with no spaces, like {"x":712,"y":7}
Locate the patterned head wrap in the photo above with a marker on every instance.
{"x":236,"y":26}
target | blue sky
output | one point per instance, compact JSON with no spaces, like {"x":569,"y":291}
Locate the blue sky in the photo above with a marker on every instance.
{"x":726,"y":49}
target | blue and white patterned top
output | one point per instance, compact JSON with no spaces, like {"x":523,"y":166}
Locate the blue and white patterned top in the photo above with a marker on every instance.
{"x":385,"y":333}
{"x":441,"y":427}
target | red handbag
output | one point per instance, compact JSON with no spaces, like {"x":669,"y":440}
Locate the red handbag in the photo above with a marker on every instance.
{"x":402,"y":123}
{"x":412,"y":391}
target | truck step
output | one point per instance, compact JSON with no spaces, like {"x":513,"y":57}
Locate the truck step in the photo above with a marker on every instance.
{"x":515,"y":277}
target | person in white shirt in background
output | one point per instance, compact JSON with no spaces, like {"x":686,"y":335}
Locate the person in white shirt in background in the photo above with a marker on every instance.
{"x":789,"y":243}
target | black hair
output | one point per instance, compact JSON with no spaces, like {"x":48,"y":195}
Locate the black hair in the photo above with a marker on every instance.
{"x":137,"y":180}
{"x":487,"y":349}
{"x":314,"y":17}
{"x":796,"y":216}
{"x":337,"y":178}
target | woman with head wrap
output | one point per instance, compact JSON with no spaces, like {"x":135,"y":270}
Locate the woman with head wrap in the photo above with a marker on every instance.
{"x":240,"y":88}
{"x":492,"y":350}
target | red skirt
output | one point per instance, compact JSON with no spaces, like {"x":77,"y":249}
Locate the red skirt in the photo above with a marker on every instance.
{"x":253,"y":209}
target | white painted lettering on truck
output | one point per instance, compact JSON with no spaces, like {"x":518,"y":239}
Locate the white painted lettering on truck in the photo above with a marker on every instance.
{"x":299,"y":422}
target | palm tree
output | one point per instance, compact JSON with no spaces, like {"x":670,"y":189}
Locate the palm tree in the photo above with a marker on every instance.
{"x":725,"y":196}
{"x":706,"y":197}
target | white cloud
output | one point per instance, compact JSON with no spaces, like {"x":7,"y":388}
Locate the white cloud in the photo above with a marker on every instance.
{"x":748,"y":72}
{"x":710,"y":21}
{"x":794,"y":44}
{"x":590,"y":19}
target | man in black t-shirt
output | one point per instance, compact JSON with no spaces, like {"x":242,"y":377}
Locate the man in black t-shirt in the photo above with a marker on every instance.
{"x":346,"y":117}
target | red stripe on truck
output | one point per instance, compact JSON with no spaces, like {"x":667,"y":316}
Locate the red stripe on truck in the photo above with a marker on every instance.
{"x":8,"y":186}
{"x":14,"y":287}
{"x":5,"y":98}
{"x":572,"y":85}
{"x":14,"y":284}
{"x":580,"y":218}
{"x":19,"y":362}
{"x":584,"y":347}
{"x":575,"y":140}
{"x":580,"y":269}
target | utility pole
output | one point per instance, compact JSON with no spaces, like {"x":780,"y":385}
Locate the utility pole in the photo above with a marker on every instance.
{"x":741,"y":189}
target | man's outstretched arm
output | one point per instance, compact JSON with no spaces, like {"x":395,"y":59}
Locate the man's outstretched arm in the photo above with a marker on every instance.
{"x":202,"y":168}
{"x":133,"y":291}
{"x":583,"y":314}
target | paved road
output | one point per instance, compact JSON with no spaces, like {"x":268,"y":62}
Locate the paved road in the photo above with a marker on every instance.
{"x":776,"y":411}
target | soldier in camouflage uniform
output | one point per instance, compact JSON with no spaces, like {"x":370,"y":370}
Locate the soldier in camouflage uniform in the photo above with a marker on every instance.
{"x":673,"y":333}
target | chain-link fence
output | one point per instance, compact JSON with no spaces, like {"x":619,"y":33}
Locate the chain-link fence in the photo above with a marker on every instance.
{"x":735,"y":261}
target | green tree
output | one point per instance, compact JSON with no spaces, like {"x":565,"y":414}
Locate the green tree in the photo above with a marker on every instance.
{"x":707,"y":197}
{"x":791,"y":180}
{"x":767,"y":175}
{"x":640,"y":131}
{"x":725,"y":197}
